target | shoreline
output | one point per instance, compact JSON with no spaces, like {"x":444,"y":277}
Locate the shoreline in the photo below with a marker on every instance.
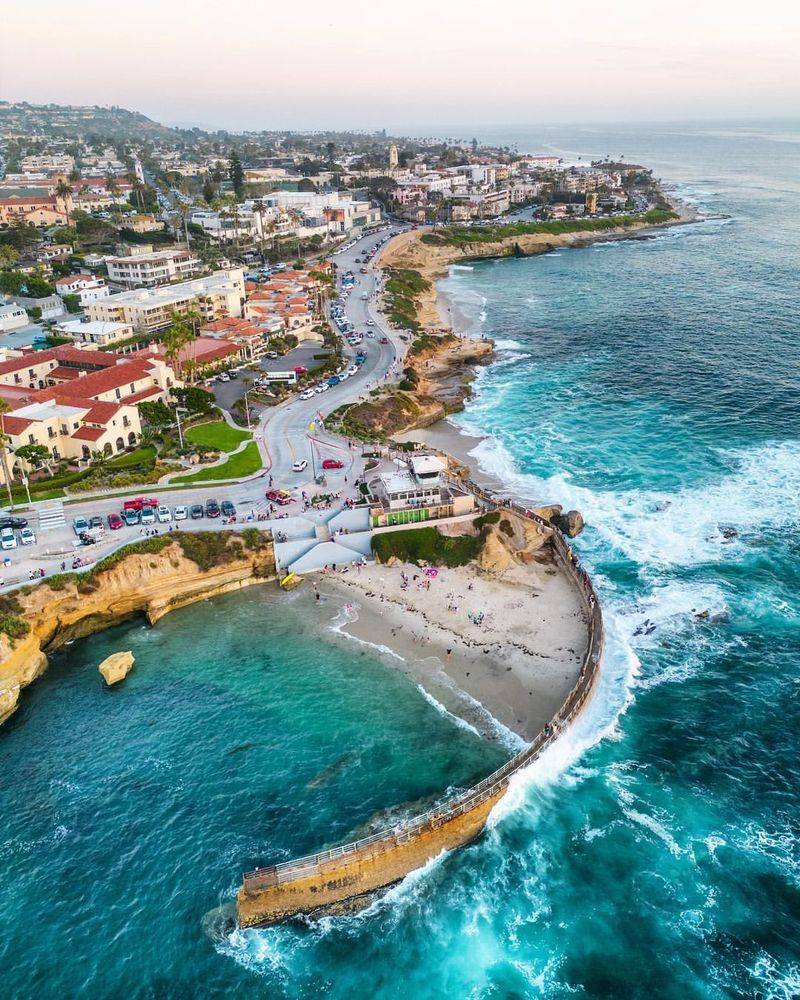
{"x":516,"y":642}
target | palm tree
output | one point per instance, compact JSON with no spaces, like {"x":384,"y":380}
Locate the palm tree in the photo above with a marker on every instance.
{"x":64,"y":192}
{"x":4,"y":408}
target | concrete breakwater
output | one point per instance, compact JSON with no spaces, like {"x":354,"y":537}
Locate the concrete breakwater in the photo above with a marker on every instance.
{"x":329,"y":879}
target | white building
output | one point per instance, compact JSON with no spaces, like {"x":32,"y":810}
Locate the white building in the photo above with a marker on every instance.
{"x":147,"y":310}
{"x":87,"y":287}
{"x":146,"y":270}
{"x":98,"y":332}
{"x":12,"y":317}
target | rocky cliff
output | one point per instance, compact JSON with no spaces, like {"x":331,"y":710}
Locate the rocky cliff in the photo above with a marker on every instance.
{"x":172,"y":571}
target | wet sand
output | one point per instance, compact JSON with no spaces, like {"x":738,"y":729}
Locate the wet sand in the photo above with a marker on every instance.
{"x":514,"y":667}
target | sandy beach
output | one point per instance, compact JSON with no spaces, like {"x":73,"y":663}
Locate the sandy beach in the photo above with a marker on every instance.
{"x":486,"y":649}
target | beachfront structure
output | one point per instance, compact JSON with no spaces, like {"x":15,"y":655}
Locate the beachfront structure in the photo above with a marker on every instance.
{"x":416,"y":492}
{"x":148,"y":310}
{"x":158,"y":267}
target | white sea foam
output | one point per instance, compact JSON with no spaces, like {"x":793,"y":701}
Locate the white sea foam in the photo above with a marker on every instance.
{"x":461,"y":267}
{"x":348,"y":614}
{"x":461,"y":723}
{"x":507,"y":344}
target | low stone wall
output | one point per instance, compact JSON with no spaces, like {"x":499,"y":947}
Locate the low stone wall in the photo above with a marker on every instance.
{"x":329,"y":878}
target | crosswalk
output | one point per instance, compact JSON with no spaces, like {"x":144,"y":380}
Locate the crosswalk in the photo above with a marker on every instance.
{"x":52,"y":517}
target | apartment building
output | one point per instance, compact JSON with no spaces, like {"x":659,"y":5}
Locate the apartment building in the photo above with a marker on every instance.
{"x":148,"y":310}
{"x":98,"y":333}
{"x":148,"y":270}
{"x":47,"y":163}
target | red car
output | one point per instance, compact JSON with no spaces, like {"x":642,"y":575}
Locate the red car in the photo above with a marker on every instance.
{"x":300,"y":370}
{"x":139,"y":503}
{"x":332,"y":463}
{"x":278,"y":496}
{"x":384,"y":340}
{"x":114,"y":522}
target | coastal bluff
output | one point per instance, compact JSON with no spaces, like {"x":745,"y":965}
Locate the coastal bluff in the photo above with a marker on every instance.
{"x":153,"y":577}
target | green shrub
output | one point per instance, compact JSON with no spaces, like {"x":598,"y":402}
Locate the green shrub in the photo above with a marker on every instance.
{"x":506,"y":527}
{"x":491,"y":517}
{"x":426,"y":545}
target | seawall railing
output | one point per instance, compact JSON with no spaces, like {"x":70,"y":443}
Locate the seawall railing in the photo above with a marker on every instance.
{"x":497,"y":781}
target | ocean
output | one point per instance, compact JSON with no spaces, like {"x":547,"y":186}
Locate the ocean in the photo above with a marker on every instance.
{"x":655,"y":850}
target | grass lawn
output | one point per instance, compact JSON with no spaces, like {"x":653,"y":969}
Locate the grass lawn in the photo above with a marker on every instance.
{"x":244,"y":463}
{"x":139,"y":456}
{"x":217,"y":435}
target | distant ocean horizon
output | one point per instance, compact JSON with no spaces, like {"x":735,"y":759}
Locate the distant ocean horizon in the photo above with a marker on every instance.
{"x":655,"y":851}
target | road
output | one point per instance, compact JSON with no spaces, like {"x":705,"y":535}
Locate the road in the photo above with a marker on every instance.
{"x":287,"y":435}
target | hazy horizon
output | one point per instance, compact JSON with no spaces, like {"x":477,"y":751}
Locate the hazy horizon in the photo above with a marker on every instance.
{"x":312,"y":67}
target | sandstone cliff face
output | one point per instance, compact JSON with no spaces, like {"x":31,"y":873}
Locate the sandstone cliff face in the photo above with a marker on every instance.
{"x":153,"y":583}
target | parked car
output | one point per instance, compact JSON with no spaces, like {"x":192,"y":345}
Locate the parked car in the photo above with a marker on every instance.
{"x":95,"y":521}
{"x":224,"y":377}
{"x":114,"y":522}
{"x":179,"y":513}
{"x":300,"y":370}
{"x":280,"y":497}
{"x":27,"y":537}
{"x":164,"y":514}
{"x":334,"y":380}
{"x":14,"y":522}
{"x":212,"y":508}
{"x":8,"y":540}
{"x":148,"y":515}
{"x":137,"y":503}
{"x":131,"y":517}
{"x":300,"y":466}
{"x":308,"y":394}
{"x":332,"y":463}
{"x":228,"y":509}
{"x":79,"y":525}
{"x":196,"y":511}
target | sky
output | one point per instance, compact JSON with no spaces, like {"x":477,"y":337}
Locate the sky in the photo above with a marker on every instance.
{"x":419,"y":64}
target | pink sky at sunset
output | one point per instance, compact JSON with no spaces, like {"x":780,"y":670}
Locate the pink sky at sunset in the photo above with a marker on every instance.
{"x":314,"y":63}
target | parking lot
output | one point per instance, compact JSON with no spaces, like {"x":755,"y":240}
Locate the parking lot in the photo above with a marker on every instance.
{"x":227,"y":394}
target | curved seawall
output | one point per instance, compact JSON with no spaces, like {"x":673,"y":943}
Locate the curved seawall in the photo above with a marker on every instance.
{"x":333,"y":877}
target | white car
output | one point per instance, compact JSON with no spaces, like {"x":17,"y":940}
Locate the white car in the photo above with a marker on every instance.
{"x":224,"y":377}
{"x":300,"y":466}
{"x":308,"y":394}
{"x":322,"y":388}
{"x":164,"y":514}
{"x":148,"y":516}
{"x":27,"y":537}
{"x":343,"y":376}
{"x":8,"y":540}
{"x":179,"y":514}
{"x":352,"y":370}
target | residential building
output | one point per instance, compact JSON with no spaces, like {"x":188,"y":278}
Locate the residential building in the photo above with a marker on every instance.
{"x":148,"y":310}
{"x":12,"y":317}
{"x":97,"y":332}
{"x":158,"y":267}
{"x":143,"y":223}
{"x":87,"y":287}
{"x":47,"y":163}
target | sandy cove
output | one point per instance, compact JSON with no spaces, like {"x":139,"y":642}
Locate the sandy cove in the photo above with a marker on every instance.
{"x":518,"y":663}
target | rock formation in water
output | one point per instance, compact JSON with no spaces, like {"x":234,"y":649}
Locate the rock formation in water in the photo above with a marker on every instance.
{"x":115,"y":668}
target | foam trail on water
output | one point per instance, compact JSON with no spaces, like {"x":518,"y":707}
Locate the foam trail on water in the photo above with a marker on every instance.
{"x":346,"y":616}
{"x":461,"y":723}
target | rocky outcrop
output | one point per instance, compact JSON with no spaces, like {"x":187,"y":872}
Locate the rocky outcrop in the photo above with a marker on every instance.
{"x":571,"y":523}
{"x":115,"y":668}
{"x":137,"y":580}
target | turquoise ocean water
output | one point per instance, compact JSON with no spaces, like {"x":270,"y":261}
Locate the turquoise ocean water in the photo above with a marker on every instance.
{"x":656,"y":850}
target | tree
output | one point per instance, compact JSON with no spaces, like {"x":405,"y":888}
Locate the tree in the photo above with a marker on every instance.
{"x":195,"y":400}
{"x":330,"y":148}
{"x":64,"y":192}
{"x":4,"y":408}
{"x":72,"y":302}
{"x":306,"y":185}
{"x":175,"y":338}
{"x":36,"y":455}
{"x":236,"y":174}
{"x":156,"y":414}
{"x":8,"y":256}
{"x":209,"y":190}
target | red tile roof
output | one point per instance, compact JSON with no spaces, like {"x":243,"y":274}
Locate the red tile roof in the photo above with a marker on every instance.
{"x":14,"y":425}
{"x":88,"y":433}
{"x":62,"y":372}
